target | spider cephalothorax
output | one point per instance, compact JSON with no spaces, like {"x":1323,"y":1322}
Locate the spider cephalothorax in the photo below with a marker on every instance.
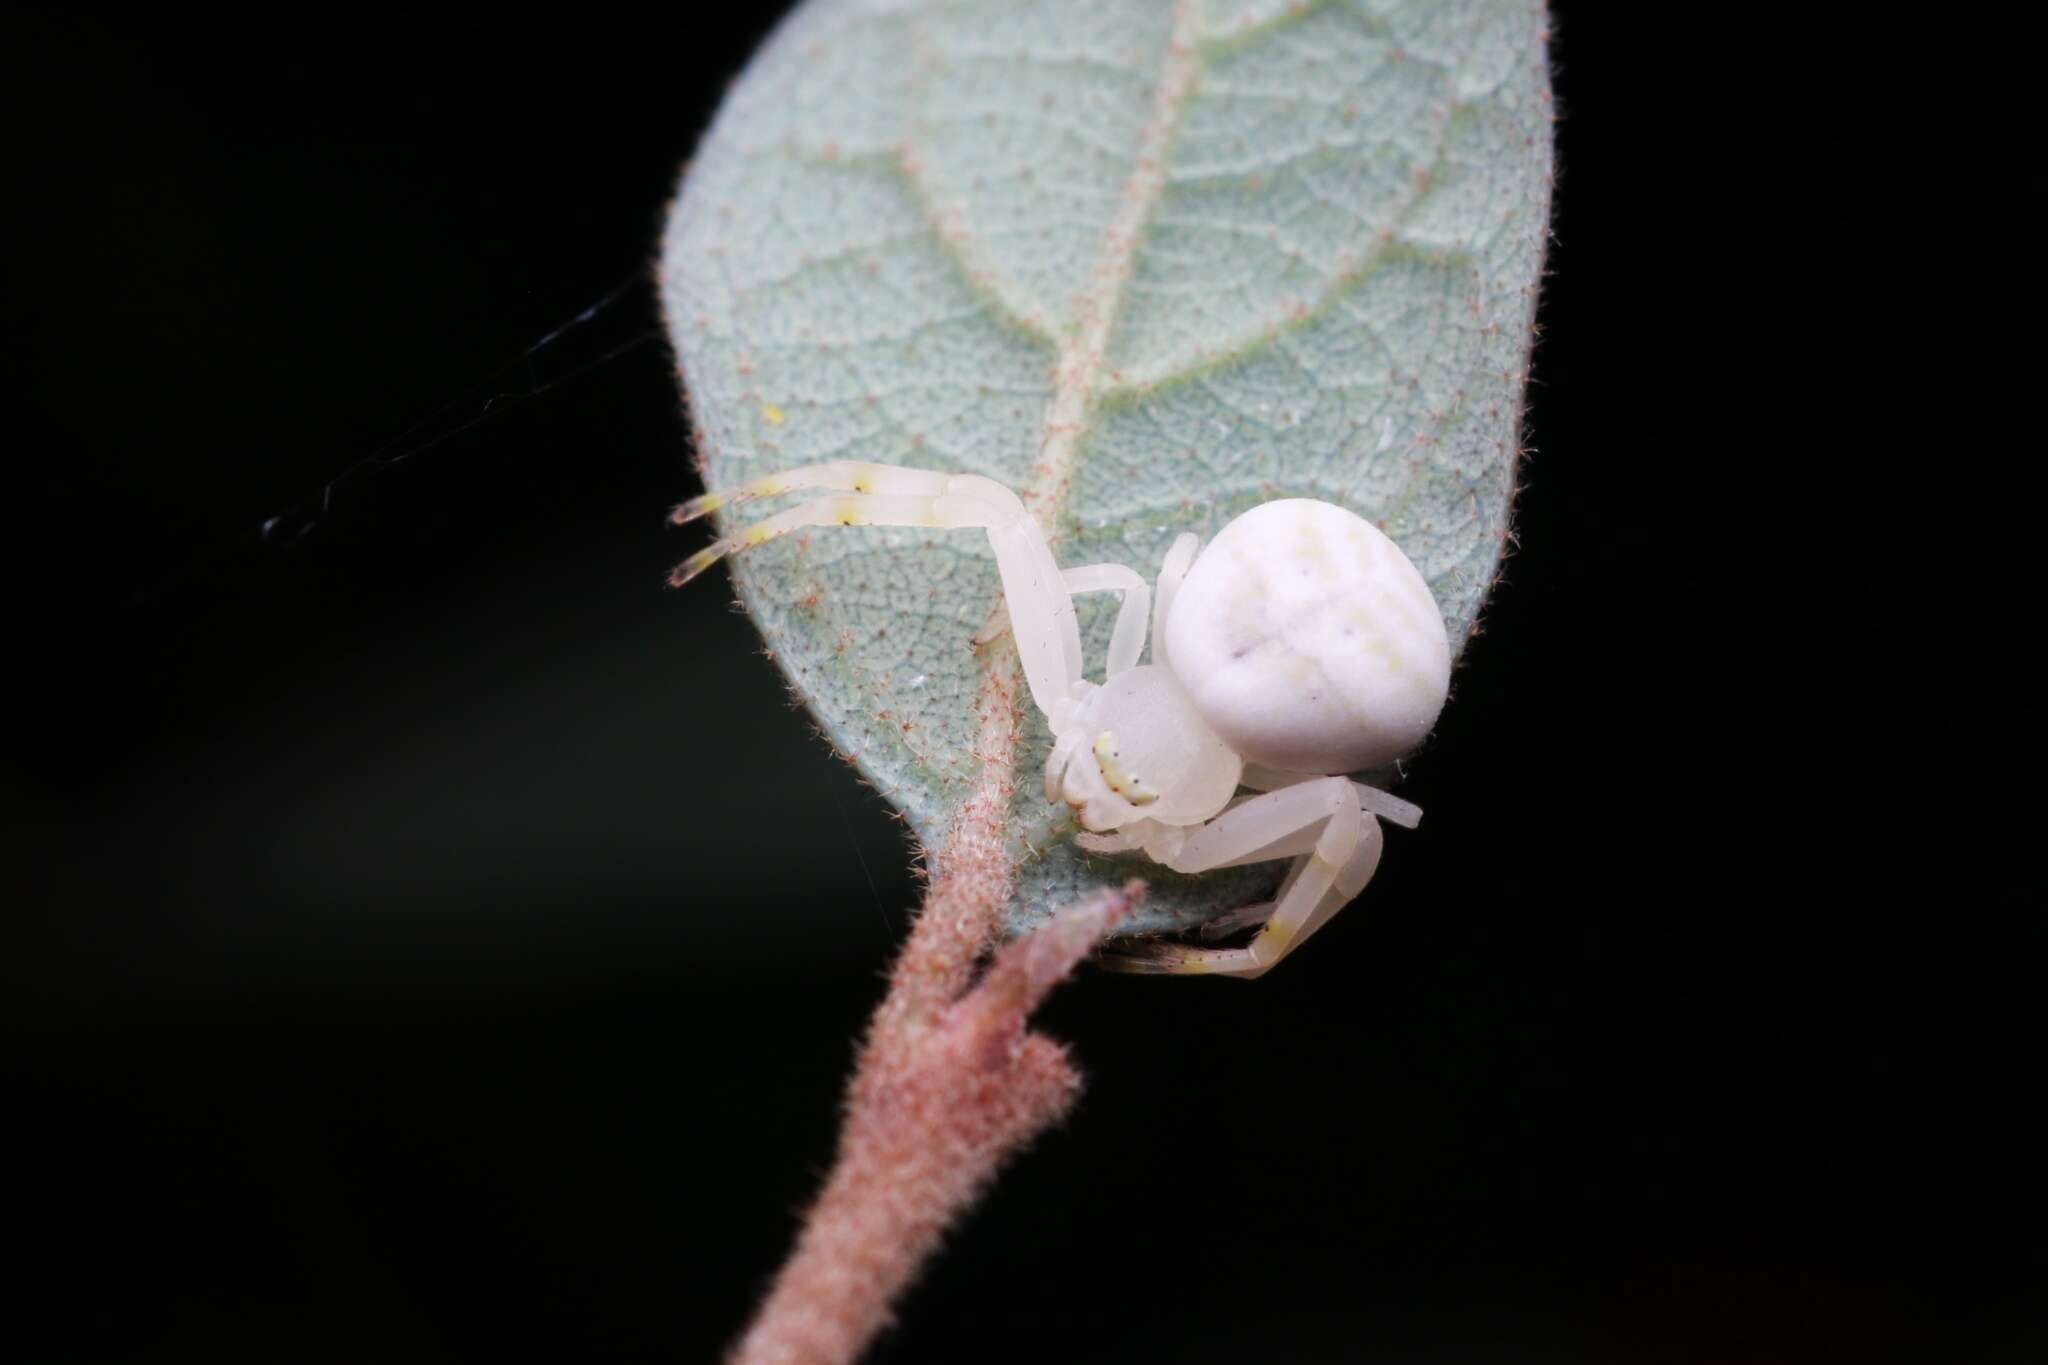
{"x":1298,"y":646}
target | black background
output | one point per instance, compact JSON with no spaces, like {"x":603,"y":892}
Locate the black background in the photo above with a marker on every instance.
{"x":429,"y":939}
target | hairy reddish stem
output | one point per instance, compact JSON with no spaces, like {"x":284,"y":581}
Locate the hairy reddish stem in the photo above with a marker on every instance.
{"x":950,"y":1084}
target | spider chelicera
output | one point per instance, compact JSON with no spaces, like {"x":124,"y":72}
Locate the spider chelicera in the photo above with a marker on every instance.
{"x":1298,"y":646}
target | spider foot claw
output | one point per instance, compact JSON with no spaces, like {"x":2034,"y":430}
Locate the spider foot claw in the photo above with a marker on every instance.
{"x":1223,"y":926}
{"x":993,"y":629}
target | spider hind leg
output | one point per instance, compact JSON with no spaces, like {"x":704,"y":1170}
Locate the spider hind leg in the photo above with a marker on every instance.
{"x":1323,"y":880}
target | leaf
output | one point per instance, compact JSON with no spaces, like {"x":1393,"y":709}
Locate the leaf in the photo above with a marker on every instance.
{"x":1148,"y":263}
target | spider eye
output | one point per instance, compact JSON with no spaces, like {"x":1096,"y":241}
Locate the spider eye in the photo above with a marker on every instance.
{"x":1121,"y":779}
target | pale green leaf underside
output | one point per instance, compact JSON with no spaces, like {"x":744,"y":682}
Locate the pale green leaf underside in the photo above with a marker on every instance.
{"x":907,"y":215}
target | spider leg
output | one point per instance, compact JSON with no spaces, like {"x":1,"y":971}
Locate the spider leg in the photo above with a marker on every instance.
{"x":1063,"y":751}
{"x":1385,"y":805}
{"x":1388,"y":806}
{"x":1050,"y":645}
{"x":1127,"y":639}
{"x":1246,"y":917}
{"x":845,"y":476}
{"x":1327,"y":876}
{"x":1172,"y":570}
{"x":1121,"y":840}
{"x":857,"y":509}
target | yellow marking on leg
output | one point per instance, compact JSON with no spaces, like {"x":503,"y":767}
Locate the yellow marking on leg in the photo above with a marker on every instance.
{"x":697,"y":507}
{"x":758,"y":535}
{"x":694,"y":565}
{"x":849,"y":514}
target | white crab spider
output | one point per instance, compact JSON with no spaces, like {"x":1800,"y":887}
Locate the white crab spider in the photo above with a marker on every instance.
{"x":1299,"y":646}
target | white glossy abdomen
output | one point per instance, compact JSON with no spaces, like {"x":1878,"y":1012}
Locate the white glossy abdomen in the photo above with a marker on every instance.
{"x":1308,"y":641}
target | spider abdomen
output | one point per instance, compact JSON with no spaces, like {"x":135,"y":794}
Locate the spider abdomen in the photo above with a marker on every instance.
{"x":1309,"y":641}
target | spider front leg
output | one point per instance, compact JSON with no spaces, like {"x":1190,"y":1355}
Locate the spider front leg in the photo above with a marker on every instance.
{"x":1126,"y":638}
{"x":1048,"y":638}
{"x":846,"y":476}
{"x":1338,"y":846}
